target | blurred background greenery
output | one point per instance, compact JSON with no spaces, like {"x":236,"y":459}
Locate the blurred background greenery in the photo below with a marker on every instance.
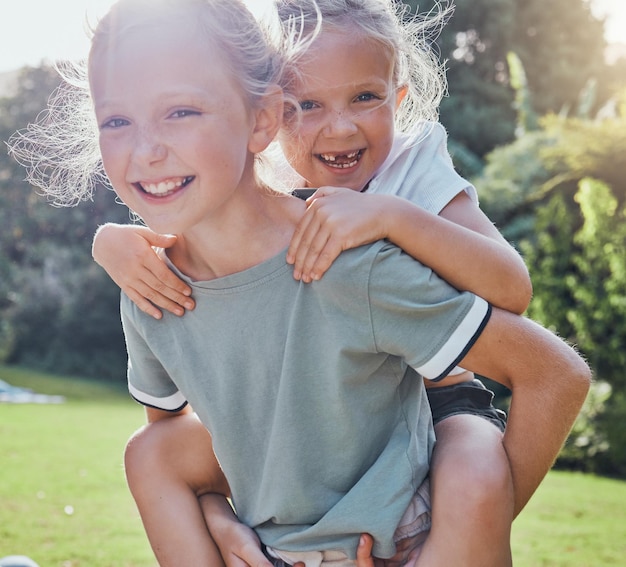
{"x":536,"y":115}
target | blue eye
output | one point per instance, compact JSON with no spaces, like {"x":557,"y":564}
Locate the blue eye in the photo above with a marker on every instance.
{"x":114,"y":123}
{"x":184,"y":113}
{"x":366,"y":97}
{"x":307,"y":105}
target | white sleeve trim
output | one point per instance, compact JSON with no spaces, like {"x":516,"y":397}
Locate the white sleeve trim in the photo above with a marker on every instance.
{"x":174,"y":402}
{"x":458,"y":343}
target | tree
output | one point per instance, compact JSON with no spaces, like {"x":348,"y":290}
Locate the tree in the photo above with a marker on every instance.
{"x":560,"y":191}
{"x":559,"y":43}
{"x":58,"y":309}
{"x":583,"y":290}
{"x":562,"y":47}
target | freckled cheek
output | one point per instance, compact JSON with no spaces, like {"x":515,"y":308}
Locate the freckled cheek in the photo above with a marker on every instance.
{"x":113,"y":160}
{"x":302,"y":140}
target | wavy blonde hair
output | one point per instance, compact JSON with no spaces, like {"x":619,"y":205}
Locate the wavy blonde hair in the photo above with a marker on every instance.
{"x":408,"y":39}
{"x":60,"y":149}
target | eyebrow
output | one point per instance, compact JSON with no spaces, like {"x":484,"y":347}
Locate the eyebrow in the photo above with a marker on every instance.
{"x":191,"y":97}
{"x":373,"y":84}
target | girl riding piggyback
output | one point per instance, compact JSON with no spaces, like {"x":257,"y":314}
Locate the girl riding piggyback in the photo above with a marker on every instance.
{"x":312,"y":387}
{"x":362,"y":93}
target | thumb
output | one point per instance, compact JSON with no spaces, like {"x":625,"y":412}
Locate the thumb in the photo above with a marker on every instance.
{"x":159,"y":240}
{"x":364,"y":551}
{"x":325,"y":191}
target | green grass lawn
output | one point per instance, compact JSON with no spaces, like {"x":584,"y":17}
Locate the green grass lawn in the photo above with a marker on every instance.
{"x":573,"y":520}
{"x":64,"y":501}
{"x":63,"y":496}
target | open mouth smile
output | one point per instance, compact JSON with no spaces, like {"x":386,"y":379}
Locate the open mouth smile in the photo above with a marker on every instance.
{"x":341,"y":161}
{"x":164,"y":188}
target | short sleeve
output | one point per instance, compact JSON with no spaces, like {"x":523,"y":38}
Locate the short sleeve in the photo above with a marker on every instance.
{"x":419,"y":168}
{"x":148,"y":382}
{"x":418,"y":316}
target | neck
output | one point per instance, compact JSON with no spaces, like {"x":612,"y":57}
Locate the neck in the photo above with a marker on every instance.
{"x":255,"y":231}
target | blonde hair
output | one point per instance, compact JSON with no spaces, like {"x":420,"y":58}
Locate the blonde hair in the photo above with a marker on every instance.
{"x":60,"y":150}
{"x":408,"y":39}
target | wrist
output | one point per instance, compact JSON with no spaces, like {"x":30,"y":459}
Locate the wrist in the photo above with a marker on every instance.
{"x":218,"y":513}
{"x":398,"y":217}
{"x":99,"y":240}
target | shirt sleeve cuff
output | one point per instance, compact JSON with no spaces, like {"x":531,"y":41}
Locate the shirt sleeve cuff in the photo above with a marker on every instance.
{"x":459,"y":343}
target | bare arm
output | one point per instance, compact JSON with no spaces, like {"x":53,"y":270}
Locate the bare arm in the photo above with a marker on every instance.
{"x":238,"y":544}
{"x":126,"y":253}
{"x":549,"y":382}
{"x":465,"y":249}
{"x":461,"y":244}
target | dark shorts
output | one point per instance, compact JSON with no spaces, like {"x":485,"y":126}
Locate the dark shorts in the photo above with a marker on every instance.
{"x":465,"y":398}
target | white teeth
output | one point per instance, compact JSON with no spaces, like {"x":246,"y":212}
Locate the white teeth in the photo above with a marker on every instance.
{"x":345,"y":165}
{"x":333,"y":157}
{"x":163,"y":187}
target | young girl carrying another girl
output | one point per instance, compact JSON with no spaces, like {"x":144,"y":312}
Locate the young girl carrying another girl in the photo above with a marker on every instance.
{"x":367,"y":87}
{"x":312,"y":392}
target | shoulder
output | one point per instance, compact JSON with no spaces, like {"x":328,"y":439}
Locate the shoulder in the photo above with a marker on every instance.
{"x":412,"y":153}
{"x":371,"y":268}
{"x":424,"y":136}
{"x":356,"y":263}
{"x":356,"y":271}
{"x":427,"y":140}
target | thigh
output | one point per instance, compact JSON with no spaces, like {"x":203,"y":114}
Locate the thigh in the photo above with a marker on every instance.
{"x":471,"y":493}
{"x":169,"y":463}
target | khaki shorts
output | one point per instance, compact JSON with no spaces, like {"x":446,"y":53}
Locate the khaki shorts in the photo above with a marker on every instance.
{"x":411,"y":533}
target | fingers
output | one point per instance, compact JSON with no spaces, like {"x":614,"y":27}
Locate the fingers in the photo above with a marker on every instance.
{"x":127,"y":254}
{"x":140,"y":301}
{"x":166,"y":287}
{"x":312,"y":257}
{"x":295,"y":246}
{"x":364,"y":551}
{"x":157,"y":284}
{"x":152,"y":292}
{"x":336,"y":219}
{"x":317,"y":240}
{"x":250,"y":556}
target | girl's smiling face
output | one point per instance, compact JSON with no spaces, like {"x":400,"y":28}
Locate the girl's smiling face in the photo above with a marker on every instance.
{"x":175,"y":130}
{"x":348,"y":100}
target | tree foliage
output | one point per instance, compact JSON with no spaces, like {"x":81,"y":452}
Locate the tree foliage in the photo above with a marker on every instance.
{"x":56,"y":306}
{"x":559,"y":43}
{"x":557,"y":191}
{"x":560,"y":193}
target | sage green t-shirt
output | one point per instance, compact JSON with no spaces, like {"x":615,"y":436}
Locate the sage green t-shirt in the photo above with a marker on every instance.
{"x":312,"y":392}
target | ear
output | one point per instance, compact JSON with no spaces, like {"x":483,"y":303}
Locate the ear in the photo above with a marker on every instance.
{"x":268,"y":117}
{"x":400,"y":94}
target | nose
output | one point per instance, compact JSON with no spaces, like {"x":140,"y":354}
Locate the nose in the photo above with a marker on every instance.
{"x":340,"y":123}
{"x":149,"y":148}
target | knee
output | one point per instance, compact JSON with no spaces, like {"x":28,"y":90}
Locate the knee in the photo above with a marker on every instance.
{"x":141,"y":456}
{"x":176,"y":452}
{"x":471,"y":466}
{"x":489,"y":480}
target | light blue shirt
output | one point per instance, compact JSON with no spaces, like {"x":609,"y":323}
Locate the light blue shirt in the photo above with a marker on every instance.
{"x":312,"y":392}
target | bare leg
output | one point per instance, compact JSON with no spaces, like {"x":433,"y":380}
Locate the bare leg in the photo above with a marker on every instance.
{"x":168,"y":464}
{"x":472,"y":496}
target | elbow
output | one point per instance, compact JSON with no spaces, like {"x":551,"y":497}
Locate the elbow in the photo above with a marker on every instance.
{"x":521,"y":300}
{"x":580,"y":378}
{"x":518,"y":296}
{"x":524,"y":289}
